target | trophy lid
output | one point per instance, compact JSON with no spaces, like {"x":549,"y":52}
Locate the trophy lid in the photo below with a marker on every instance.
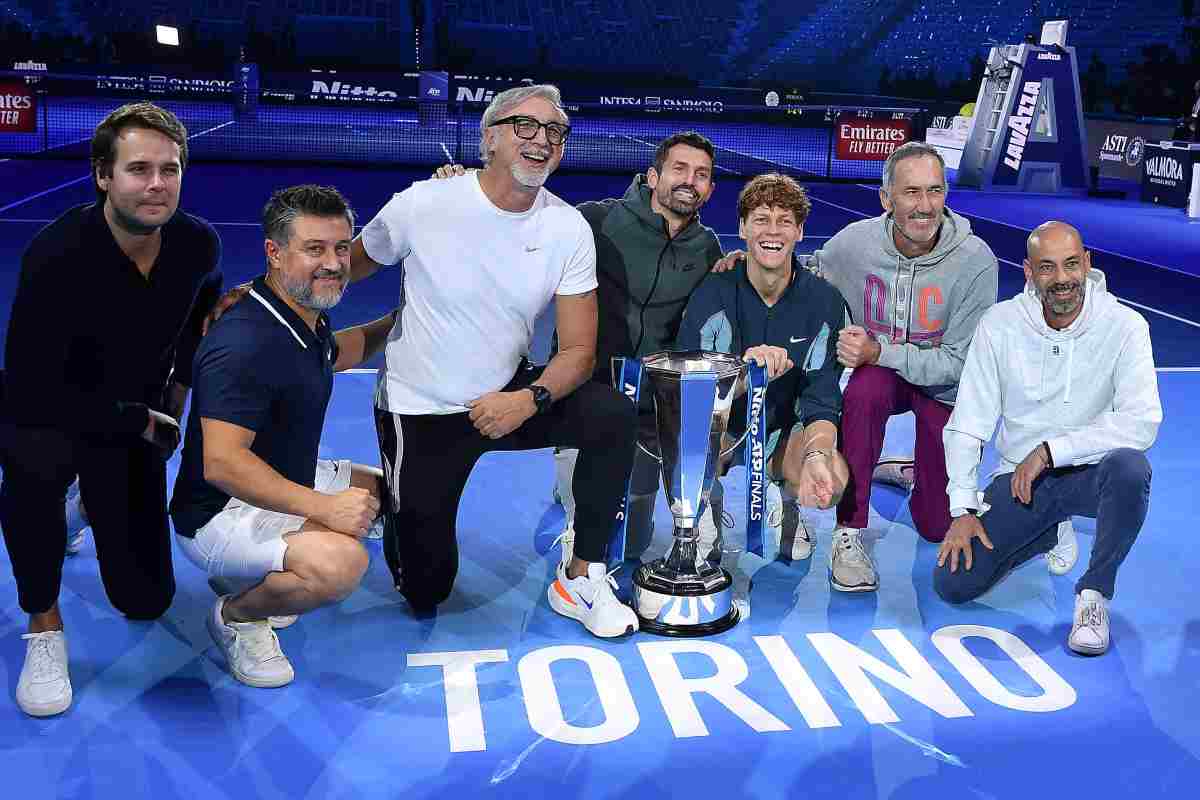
{"x":674,"y":363}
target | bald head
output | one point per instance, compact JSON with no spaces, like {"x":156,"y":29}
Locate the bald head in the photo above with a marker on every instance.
{"x":1052,"y":234}
{"x":1056,"y":265}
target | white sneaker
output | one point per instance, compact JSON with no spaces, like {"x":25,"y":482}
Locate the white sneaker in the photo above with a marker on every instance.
{"x":590,"y":600}
{"x":896,"y":471}
{"x":1064,"y":555}
{"x":225,"y":586}
{"x":44,"y":688}
{"x":1089,"y":631}
{"x":787,"y":525}
{"x":850,"y":568}
{"x":77,"y":521}
{"x":251,"y":650}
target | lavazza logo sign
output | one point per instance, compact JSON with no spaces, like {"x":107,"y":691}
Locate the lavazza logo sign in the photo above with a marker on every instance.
{"x":1019,"y":124}
{"x":684,"y":701}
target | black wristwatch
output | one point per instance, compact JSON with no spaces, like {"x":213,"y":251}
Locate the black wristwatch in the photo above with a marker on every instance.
{"x":541,"y":397}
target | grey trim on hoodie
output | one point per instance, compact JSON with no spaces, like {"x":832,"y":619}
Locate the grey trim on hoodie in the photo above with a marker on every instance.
{"x":922,"y":311}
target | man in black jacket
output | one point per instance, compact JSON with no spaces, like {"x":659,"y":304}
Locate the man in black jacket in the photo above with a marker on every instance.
{"x":652,"y":251}
{"x":106,"y":319}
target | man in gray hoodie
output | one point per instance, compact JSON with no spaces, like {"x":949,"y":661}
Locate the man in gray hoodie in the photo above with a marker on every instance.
{"x":916,"y":281}
{"x":1069,"y":373}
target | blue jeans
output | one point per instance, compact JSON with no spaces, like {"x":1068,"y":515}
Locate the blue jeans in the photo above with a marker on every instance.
{"x":1115,"y":492}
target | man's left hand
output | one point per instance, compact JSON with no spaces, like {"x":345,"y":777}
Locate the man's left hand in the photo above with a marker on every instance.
{"x":498,"y":414}
{"x":855,"y":347}
{"x":1027,"y":472}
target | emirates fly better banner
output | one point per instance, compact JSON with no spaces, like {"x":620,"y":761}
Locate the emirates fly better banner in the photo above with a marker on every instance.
{"x":18,"y":108}
{"x":862,"y":137}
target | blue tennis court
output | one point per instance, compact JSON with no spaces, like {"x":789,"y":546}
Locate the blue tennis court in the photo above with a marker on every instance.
{"x":891,"y":694}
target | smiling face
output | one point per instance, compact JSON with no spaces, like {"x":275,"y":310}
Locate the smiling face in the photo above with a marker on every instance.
{"x":313,"y":267}
{"x":771,"y":234}
{"x":1056,"y":266}
{"x":529,"y":161}
{"x":685,"y":183}
{"x":916,"y":199}
{"x":143,"y":188}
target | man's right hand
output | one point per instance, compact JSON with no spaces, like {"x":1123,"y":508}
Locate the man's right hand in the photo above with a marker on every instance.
{"x":162,"y":431}
{"x":449,"y":171}
{"x":958,"y":541}
{"x":223,"y":304}
{"x":775,"y":359}
{"x":350,"y":512}
{"x":729,"y":261}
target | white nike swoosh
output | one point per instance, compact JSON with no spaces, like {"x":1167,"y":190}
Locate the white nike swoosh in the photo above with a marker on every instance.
{"x":794,"y":340}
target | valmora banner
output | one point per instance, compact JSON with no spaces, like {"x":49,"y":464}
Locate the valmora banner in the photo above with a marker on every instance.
{"x":18,"y":108}
{"x":863,"y":139}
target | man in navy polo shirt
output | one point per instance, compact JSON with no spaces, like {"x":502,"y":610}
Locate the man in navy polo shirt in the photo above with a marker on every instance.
{"x":252,"y":503}
{"x":785,"y":319}
{"x":106,"y":319}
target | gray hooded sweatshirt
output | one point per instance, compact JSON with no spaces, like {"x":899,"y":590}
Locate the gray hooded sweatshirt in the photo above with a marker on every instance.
{"x":922,"y":311}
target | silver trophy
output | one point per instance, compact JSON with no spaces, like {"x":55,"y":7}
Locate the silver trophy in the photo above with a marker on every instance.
{"x":684,"y":594}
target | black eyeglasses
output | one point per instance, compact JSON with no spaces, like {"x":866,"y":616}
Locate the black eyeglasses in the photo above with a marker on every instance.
{"x":527,"y":128}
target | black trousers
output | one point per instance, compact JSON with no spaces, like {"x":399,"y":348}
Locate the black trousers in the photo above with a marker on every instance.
{"x":123,"y":485}
{"x":428,"y":458}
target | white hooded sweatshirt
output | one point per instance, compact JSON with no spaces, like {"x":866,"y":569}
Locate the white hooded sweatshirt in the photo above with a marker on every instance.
{"x":1085,"y":390}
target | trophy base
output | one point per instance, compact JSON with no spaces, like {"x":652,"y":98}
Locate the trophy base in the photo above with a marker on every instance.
{"x":683,"y":606}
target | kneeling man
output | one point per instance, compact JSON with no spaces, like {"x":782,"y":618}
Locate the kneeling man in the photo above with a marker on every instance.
{"x":785,"y":319}
{"x":1069,"y":373}
{"x":252,"y":503}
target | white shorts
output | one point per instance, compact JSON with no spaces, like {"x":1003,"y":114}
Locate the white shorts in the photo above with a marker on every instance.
{"x":246,"y":542}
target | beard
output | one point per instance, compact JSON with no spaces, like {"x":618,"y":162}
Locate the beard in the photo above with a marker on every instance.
{"x":678,"y":204}
{"x":131,"y":224}
{"x":302,"y":292}
{"x":1062,"y":306}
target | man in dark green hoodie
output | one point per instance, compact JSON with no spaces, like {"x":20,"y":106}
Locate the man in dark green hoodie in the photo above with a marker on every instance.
{"x":651,"y":253}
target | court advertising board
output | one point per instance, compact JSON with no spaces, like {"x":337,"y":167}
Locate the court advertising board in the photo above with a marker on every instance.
{"x":18,"y":107}
{"x":867,"y":135}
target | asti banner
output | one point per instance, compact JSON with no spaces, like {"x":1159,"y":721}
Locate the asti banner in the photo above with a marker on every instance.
{"x":1118,"y":148}
{"x":867,"y":135}
{"x":18,"y":108}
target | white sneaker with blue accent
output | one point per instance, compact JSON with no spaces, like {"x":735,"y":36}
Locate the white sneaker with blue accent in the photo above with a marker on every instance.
{"x":590,"y":600}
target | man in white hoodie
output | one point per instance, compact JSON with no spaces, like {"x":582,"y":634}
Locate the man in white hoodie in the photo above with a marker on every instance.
{"x":1069,"y":373}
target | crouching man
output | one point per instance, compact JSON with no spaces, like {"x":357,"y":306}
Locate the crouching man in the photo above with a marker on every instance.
{"x":253,"y":504}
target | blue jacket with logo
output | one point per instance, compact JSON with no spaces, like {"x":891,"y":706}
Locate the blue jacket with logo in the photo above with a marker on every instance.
{"x":727,"y":314}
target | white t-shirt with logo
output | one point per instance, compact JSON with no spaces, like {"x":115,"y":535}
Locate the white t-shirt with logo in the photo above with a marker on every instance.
{"x":475,"y":279}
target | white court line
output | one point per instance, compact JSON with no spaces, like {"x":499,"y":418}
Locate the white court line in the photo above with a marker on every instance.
{"x":1026,"y":230}
{"x":1127,"y":302}
{"x":1178,"y":369}
{"x":654,"y":146}
{"x":446,"y":150}
{"x":74,"y":181}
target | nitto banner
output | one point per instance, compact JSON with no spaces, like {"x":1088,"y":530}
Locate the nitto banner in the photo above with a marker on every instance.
{"x":860,"y":137}
{"x":18,"y":108}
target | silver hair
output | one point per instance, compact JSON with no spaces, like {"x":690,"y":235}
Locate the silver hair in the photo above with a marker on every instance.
{"x":511,"y":98}
{"x":287,"y":205}
{"x":910,"y":150}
